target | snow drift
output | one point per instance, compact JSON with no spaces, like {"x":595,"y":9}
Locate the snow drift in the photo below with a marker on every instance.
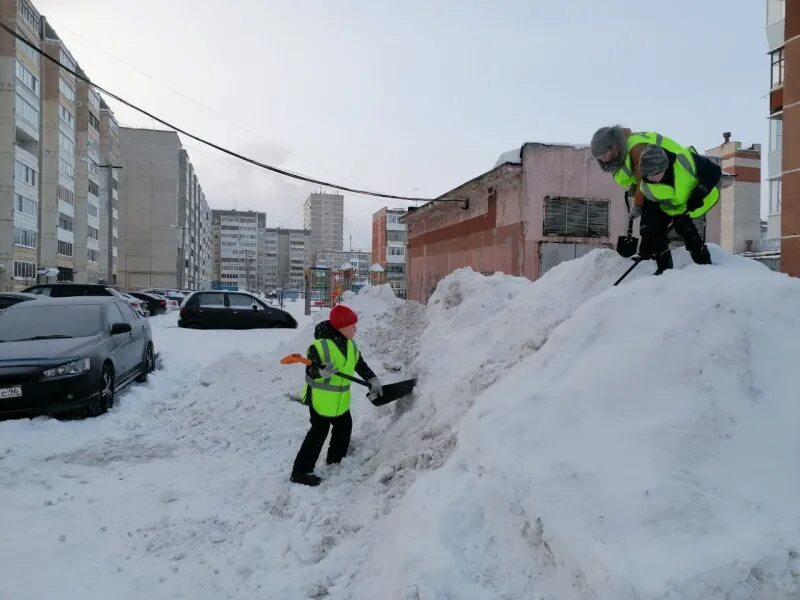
{"x":566,"y":440}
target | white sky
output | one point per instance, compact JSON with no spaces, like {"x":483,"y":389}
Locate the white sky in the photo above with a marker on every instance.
{"x":417,"y":97}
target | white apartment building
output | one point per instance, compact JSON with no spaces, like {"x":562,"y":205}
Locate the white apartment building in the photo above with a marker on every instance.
{"x":359,"y":261}
{"x":287,"y":253}
{"x":323,"y":216}
{"x":238,"y":249}
{"x":775,"y":27}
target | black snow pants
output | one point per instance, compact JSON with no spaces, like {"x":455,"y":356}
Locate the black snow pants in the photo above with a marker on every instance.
{"x":315,"y":439}
{"x":655,"y":244}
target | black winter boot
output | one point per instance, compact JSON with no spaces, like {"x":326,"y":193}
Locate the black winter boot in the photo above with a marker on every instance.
{"x":306,"y":479}
{"x":702,"y":256}
{"x":663,"y":262}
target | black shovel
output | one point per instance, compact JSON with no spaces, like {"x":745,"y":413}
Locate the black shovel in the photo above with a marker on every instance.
{"x":627,"y":245}
{"x":391,"y":391}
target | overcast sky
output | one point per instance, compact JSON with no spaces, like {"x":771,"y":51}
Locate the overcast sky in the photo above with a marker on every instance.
{"x":414,"y":97}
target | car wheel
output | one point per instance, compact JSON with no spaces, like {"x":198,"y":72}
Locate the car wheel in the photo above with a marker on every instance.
{"x":148,"y":364}
{"x":105,"y":394}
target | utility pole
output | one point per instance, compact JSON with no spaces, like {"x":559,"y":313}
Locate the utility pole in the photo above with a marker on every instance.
{"x":110,"y":264}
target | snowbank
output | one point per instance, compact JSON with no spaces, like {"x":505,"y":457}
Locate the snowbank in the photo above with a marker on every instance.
{"x":566,"y":440}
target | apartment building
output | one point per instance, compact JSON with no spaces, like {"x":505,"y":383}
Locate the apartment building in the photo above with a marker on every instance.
{"x":287,"y":253}
{"x":389,"y":247}
{"x":238,"y":249}
{"x":359,"y":262}
{"x":323,"y":216}
{"x":109,"y":193}
{"x":161,"y":207}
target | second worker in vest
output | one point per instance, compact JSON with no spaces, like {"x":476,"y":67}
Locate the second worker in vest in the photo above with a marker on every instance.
{"x":328,"y":396}
{"x":673,"y":186}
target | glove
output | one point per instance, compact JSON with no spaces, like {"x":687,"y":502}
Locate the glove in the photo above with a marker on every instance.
{"x":635,"y":212}
{"x":375,"y":389}
{"x":327,"y":371}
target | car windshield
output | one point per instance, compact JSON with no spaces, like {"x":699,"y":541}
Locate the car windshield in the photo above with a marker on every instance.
{"x":29,"y":321}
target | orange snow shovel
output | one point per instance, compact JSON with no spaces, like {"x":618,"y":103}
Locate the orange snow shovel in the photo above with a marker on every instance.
{"x":391,"y":392}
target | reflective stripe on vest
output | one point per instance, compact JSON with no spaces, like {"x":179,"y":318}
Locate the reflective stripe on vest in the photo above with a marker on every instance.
{"x":330,"y":397}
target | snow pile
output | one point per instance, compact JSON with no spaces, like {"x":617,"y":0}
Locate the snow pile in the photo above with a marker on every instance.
{"x":566,"y":439}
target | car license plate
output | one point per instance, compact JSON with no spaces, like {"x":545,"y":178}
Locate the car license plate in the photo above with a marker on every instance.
{"x":10,"y":392}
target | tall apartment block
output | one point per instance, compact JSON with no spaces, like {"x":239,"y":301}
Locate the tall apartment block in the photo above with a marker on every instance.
{"x":238,"y":249}
{"x":109,"y":193}
{"x":287,"y":254}
{"x":164,"y":219}
{"x":50,"y":159}
{"x":740,"y":203}
{"x":323,"y":216}
{"x":776,"y":20}
{"x":389,"y":247}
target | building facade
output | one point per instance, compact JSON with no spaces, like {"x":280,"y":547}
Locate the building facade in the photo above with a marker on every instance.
{"x":194,"y":229}
{"x":337,"y":260}
{"x":155,"y":248}
{"x":323,"y":216}
{"x":238,"y":249}
{"x":550,"y":204}
{"x":50,"y":159}
{"x":109,"y":193}
{"x":389,"y":247}
{"x":740,"y":203}
{"x":287,"y":254}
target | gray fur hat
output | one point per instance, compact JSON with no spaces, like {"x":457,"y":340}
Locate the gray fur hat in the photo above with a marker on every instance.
{"x":604,"y":139}
{"x":653,"y":160}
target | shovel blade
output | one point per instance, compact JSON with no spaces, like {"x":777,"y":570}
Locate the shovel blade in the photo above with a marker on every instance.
{"x":627,"y":246}
{"x":395,"y":391}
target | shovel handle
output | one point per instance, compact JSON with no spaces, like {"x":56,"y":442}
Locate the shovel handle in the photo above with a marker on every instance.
{"x":294,"y":359}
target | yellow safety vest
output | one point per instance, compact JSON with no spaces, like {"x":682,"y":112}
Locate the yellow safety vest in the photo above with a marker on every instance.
{"x":625,"y":176}
{"x":672,"y":199}
{"x":331,"y":397}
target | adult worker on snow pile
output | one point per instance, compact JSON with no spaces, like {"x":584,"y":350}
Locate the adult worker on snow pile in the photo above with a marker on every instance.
{"x":673,"y":185}
{"x":328,"y":395}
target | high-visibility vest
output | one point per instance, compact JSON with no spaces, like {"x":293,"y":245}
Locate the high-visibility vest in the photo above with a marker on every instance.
{"x":330,"y":397}
{"x":672,"y":199}
{"x":625,"y":176}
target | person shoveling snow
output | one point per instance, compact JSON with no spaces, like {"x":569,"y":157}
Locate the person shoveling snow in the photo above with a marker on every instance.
{"x":327,"y":393}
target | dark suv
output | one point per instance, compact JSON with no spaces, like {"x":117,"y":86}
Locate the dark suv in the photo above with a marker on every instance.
{"x":70,"y":290}
{"x":231,"y":310}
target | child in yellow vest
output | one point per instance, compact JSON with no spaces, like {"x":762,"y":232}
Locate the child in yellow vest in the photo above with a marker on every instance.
{"x":328,"y":395}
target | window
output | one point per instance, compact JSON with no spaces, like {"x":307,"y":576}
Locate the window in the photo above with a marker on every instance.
{"x":27,"y":11}
{"x":775,"y":134}
{"x":66,"y":89}
{"x":575,"y":217}
{"x":66,"y":116}
{"x":27,"y":78}
{"x":775,"y":196}
{"x":64,"y":248}
{"x":24,"y":270}
{"x":94,"y":99}
{"x":65,"y":222}
{"x":24,"y":238}
{"x":777,"y":68}
{"x":94,"y":189}
{"x":93,"y":255}
{"x":394,"y":251}
{"x":66,"y":167}
{"x":66,"y":195}
{"x":93,"y":147}
{"x":241,"y":301}
{"x":26,"y":49}
{"x":26,"y":206}
{"x":25,"y":173}
{"x":130,"y":315}
{"x":67,"y":61}
{"x":211,"y":300}
{"x":396,"y":236}
{"x":94,"y":122}
{"x":114,"y":315}
{"x":27,"y":111}
{"x":66,"y":143}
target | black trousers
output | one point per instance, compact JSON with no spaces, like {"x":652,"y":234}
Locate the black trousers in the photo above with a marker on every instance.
{"x":653,"y":229}
{"x":315,"y":439}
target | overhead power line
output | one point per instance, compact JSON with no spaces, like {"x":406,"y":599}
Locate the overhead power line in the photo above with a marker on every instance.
{"x":222,"y":149}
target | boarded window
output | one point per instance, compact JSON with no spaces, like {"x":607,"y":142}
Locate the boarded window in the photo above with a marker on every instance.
{"x":575,"y":217}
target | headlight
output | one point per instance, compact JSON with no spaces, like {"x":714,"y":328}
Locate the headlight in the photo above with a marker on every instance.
{"x":74,"y":368}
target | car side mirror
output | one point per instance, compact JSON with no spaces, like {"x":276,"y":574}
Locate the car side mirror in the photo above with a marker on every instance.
{"x":255,"y":306}
{"x":118,"y":328}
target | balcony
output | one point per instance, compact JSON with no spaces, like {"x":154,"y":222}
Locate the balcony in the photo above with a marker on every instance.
{"x":774,"y":164}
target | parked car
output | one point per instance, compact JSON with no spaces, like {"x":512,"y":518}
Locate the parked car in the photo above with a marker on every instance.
{"x":231,"y":310}
{"x":136,"y":304}
{"x":8,"y":299}
{"x":157,"y":305}
{"x":170,"y":294}
{"x":70,"y":356}
{"x":69,"y":290}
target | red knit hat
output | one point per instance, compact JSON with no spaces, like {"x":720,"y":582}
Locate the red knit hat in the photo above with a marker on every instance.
{"x":342,"y":317}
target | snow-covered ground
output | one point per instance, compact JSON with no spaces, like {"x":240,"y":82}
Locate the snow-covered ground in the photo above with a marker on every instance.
{"x":566,"y":440}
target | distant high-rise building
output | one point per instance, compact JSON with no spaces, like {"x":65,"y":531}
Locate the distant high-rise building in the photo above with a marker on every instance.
{"x":323,"y":216}
{"x":238,"y":258}
{"x":287,"y":255}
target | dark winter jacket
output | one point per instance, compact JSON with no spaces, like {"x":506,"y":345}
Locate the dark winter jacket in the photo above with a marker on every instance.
{"x":325,"y":330}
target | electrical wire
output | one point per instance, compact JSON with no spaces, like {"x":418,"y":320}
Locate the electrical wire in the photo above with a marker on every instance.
{"x":222,"y":149}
